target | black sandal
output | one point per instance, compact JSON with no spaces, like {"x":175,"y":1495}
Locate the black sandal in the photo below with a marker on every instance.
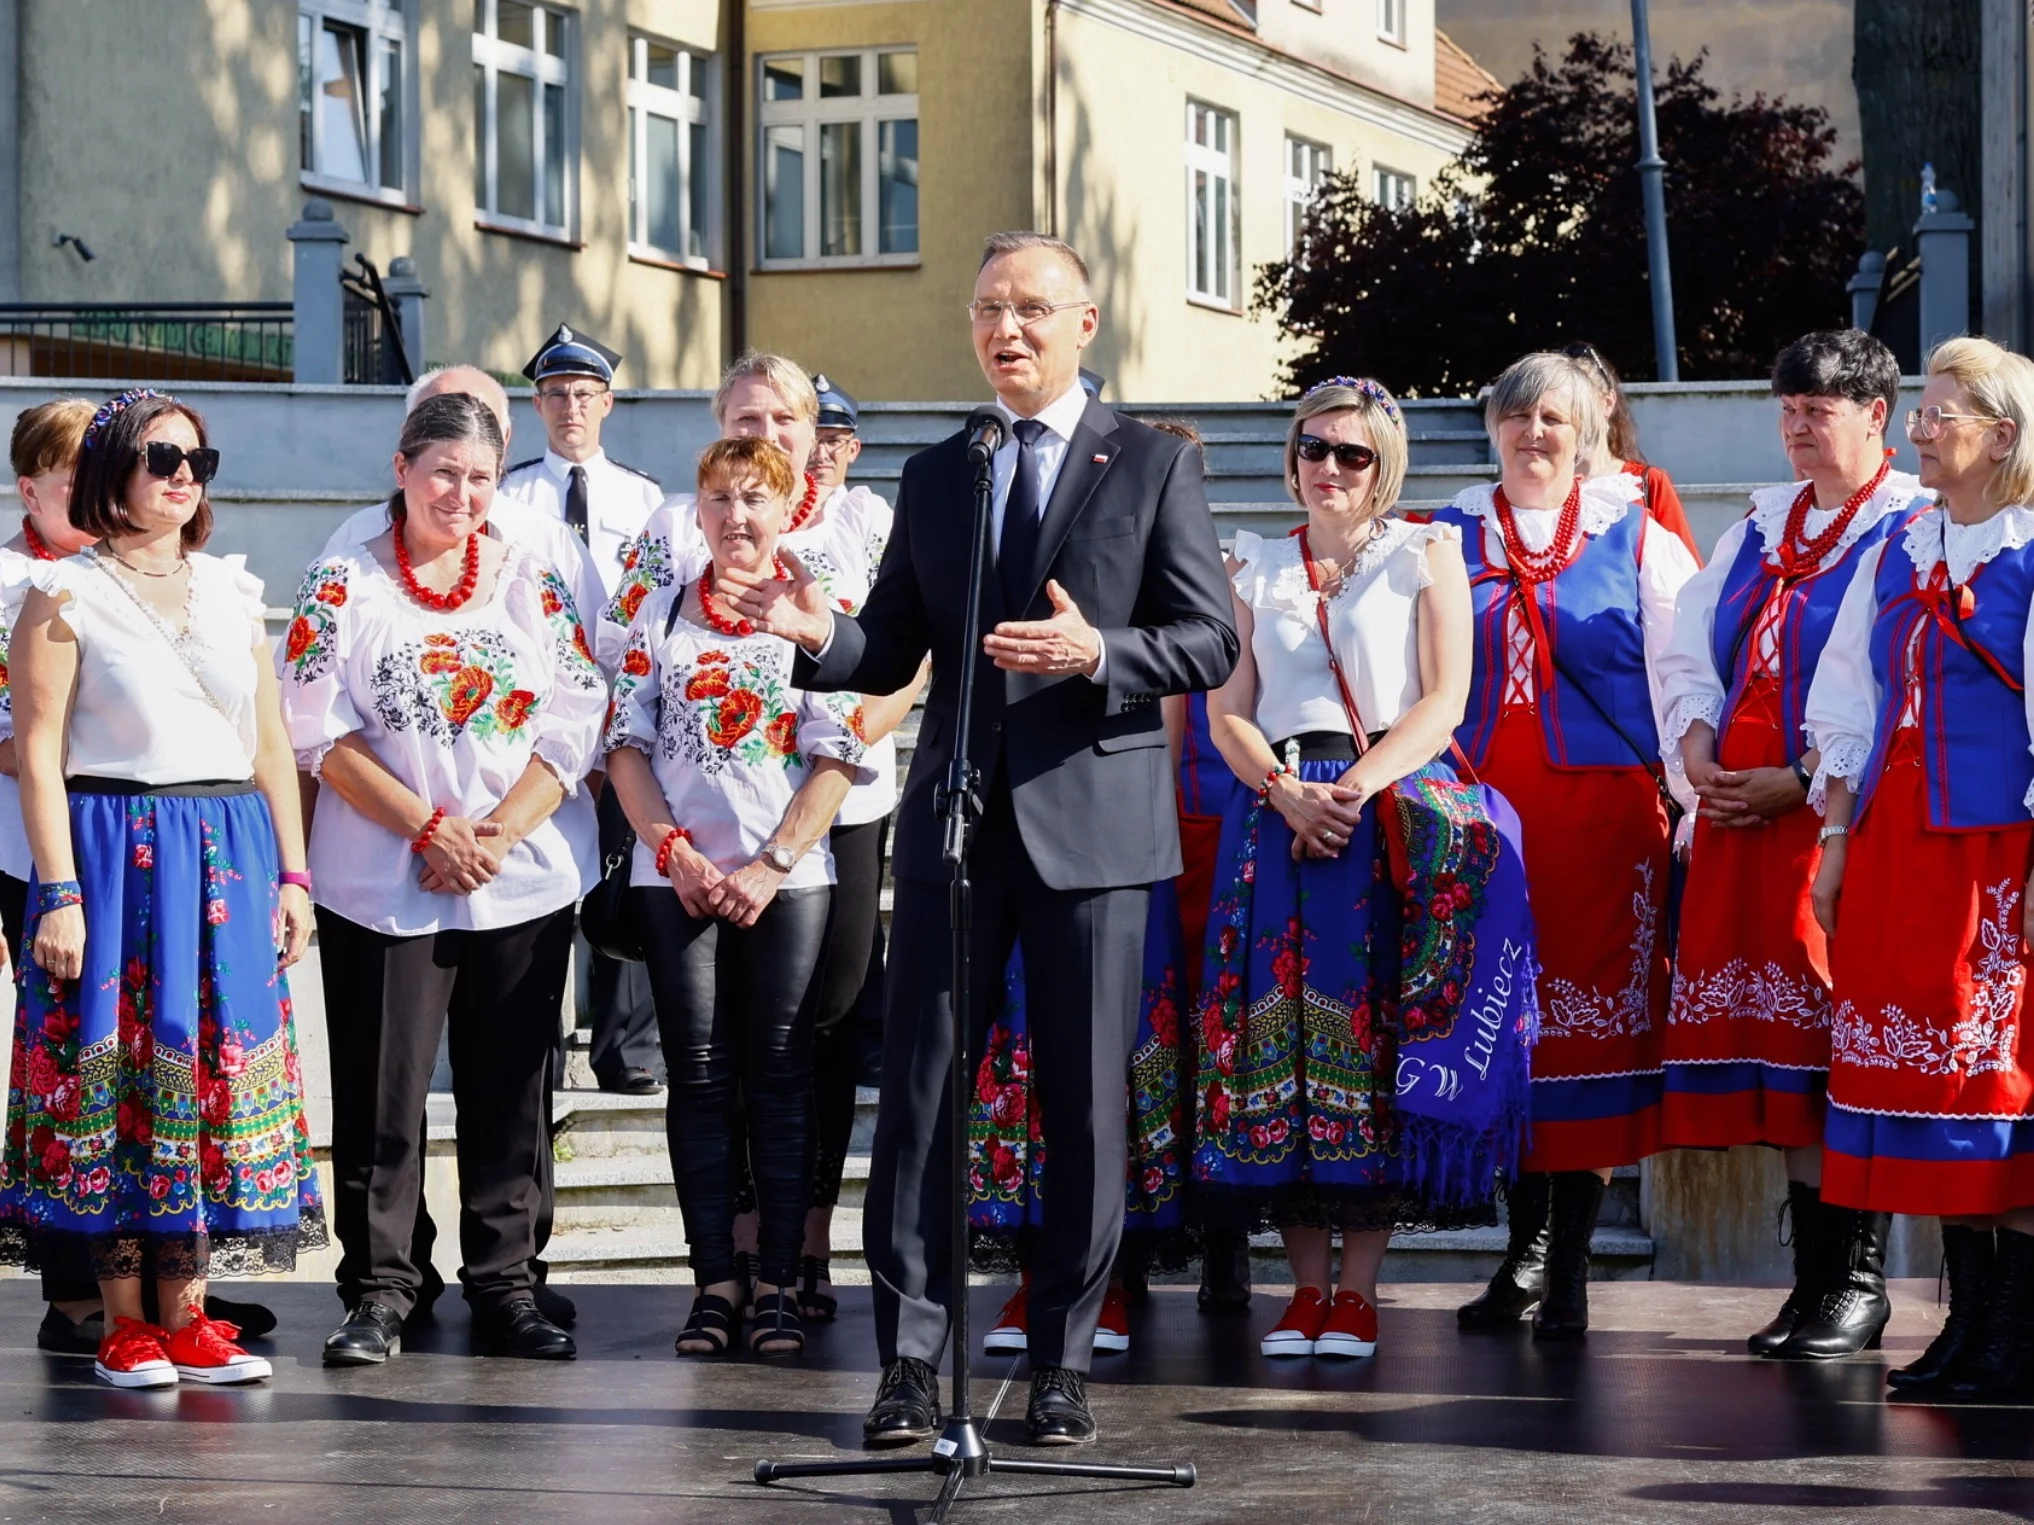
{"x":713,"y":1319}
{"x":820,"y":1307}
{"x":776,"y":1320}
{"x":748,"y":1270}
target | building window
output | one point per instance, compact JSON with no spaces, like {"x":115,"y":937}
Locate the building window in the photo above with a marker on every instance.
{"x":525,"y":160}
{"x":1306,"y":166}
{"x":1391,"y":21}
{"x":671,"y":165}
{"x":1393,"y":189}
{"x":839,"y":158}
{"x":1211,"y":205}
{"x":355,"y":97}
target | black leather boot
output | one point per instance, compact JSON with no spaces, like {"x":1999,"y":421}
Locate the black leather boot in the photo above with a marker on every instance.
{"x":1564,"y":1311}
{"x":1225,"y":1270}
{"x":1851,"y":1308}
{"x":1521,"y":1281}
{"x":1967,"y":1266}
{"x":1999,"y":1360}
{"x":1804,"y":1212}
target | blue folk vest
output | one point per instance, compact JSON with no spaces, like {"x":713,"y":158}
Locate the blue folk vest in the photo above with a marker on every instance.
{"x":1807,"y":612}
{"x":1973,"y":722}
{"x":1591,"y":614}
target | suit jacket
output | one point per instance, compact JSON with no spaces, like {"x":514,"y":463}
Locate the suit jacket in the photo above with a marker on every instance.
{"x":1127,"y":533}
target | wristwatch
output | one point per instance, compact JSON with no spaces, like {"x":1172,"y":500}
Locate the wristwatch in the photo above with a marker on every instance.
{"x":779,"y":857}
{"x":1827,"y":833}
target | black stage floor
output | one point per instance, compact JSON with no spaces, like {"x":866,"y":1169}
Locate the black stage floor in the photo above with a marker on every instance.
{"x":1659,"y":1418}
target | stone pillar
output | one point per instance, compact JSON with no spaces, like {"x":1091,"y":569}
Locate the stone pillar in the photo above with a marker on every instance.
{"x":1864,"y":289}
{"x":319,"y":340}
{"x":1943,"y":239}
{"x":406,"y":291}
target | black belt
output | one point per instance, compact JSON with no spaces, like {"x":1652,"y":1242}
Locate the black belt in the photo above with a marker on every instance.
{"x":203,"y":788}
{"x":1323,"y":746}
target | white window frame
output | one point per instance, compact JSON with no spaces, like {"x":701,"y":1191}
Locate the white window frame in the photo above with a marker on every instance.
{"x":544,"y":68}
{"x":381,"y":20}
{"x":810,"y":113}
{"x":689,"y":109}
{"x":1391,"y":22}
{"x":1300,"y":189}
{"x":1386,"y":183}
{"x":1219,"y":165}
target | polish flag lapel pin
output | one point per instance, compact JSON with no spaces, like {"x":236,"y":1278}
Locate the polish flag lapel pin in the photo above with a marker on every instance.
{"x":1101,"y":458}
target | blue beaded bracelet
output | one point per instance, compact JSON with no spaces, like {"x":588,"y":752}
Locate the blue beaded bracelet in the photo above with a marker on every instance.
{"x":56,"y":895}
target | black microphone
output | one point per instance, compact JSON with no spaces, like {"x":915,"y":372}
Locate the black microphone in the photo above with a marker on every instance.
{"x":986,"y":428}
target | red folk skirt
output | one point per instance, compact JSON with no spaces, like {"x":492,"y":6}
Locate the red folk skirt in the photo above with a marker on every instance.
{"x":1596,"y":855}
{"x":1747,"y":1045}
{"x":1931,"y":1073}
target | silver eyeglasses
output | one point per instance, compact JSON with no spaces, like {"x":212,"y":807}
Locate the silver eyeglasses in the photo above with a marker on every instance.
{"x":1026,"y":313}
{"x":1926,"y":423}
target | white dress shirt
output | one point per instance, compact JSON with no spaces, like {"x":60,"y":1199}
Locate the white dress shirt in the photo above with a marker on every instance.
{"x":619,"y":502}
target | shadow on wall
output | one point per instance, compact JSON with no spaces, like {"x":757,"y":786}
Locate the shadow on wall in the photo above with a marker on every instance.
{"x":1096,"y":225}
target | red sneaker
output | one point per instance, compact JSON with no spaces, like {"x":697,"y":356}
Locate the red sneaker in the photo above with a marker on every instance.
{"x":203,"y":1351}
{"x":1112,"y":1329}
{"x":1010,"y":1334}
{"x":132,"y":1355}
{"x":1351,"y":1329}
{"x":1294,"y":1335}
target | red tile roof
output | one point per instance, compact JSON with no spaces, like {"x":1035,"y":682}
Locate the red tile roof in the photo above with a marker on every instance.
{"x":1459,"y":80}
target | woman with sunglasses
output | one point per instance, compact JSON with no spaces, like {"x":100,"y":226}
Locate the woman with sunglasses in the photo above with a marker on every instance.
{"x":439,"y":685}
{"x":1920,"y":710}
{"x":1619,"y":453}
{"x":1747,"y":1042}
{"x":1304,"y":972}
{"x":1574,"y":587}
{"x":156,"y":1104}
{"x":837,"y":533}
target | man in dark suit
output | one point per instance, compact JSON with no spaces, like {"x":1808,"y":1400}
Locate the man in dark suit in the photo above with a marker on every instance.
{"x":1107,"y":592}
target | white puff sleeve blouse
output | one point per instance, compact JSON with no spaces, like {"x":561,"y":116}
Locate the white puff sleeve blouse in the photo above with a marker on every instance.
{"x":455,"y":704}
{"x":728,"y":739}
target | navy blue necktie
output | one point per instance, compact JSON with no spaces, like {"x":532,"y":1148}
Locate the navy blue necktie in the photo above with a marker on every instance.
{"x":1021,"y":514}
{"x":575,"y":503}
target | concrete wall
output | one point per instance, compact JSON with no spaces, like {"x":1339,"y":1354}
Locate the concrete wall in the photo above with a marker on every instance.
{"x":1342,"y":35}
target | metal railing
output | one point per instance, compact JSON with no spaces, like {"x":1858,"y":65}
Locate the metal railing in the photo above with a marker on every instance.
{"x":373,"y":336}
{"x":152,"y":341}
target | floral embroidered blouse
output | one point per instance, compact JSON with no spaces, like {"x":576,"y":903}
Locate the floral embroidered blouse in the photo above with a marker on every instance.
{"x":455,"y":704}
{"x":728,"y":738}
{"x":15,"y":860}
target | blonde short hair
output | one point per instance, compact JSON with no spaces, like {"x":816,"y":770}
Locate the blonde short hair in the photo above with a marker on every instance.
{"x":1541,"y":374}
{"x":2000,"y":384}
{"x":1379,"y":413}
{"x":785,"y":377}
{"x":727,"y":461}
{"x":47,"y":436}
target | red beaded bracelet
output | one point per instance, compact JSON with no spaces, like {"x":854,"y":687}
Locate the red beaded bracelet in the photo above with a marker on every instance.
{"x":430,"y":830}
{"x":672,"y":838}
{"x":1277,"y":770}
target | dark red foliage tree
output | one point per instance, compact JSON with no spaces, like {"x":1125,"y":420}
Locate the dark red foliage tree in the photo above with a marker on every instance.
{"x":1536,"y":238}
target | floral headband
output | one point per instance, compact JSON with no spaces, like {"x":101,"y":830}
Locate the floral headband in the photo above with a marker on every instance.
{"x":113,"y":408}
{"x":1362,"y":385}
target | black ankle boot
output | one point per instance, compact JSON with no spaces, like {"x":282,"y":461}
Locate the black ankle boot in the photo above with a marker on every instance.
{"x":1564,"y":1311}
{"x":1521,"y":1281}
{"x":1804,"y":1212}
{"x":1225,"y":1271}
{"x":1967,"y":1266}
{"x":1999,"y":1360}
{"x":1850,"y":1310}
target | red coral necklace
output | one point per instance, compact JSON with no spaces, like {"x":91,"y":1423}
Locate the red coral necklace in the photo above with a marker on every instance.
{"x":37,"y":547}
{"x":1537,"y":567}
{"x":738,"y":627}
{"x":1797,"y":554}
{"x":469,"y":576}
{"x":806,"y":505}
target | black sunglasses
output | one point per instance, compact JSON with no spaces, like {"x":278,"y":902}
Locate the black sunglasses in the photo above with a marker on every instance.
{"x":163,"y":458}
{"x":1348,"y":457}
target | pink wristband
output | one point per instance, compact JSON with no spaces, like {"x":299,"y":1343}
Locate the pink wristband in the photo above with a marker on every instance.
{"x":301,"y":881}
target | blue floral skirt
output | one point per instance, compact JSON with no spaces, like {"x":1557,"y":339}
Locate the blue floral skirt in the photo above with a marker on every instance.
{"x":155,"y":1106}
{"x":1006,"y":1153}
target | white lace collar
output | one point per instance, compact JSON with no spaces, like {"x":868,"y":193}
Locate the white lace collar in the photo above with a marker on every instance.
{"x":1604,"y":502}
{"x":1289,"y":588}
{"x":1771,"y":505}
{"x":1933,"y":537}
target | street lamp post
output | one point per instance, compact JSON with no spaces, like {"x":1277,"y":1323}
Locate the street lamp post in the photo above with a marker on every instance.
{"x":1652,"y":174}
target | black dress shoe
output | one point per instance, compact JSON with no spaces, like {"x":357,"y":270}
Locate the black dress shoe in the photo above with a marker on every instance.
{"x":252,"y":1319}
{"x":1059,"y":1414}
{"x":60,"y":1335}
{"x":371,"y":1334}
{"x":517,"y":1329}
{"x":633,"y":1080}
{"x":557,"y":1307}
{"x":906,"y":1407}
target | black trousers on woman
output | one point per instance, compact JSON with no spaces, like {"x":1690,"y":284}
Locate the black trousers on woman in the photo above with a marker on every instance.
{"x":733,"y":1009}
{"x":386,"y":1000}
{"x":836,"y":989}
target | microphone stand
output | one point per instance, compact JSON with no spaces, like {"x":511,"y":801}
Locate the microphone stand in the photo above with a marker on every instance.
{"x":960,"y":1452}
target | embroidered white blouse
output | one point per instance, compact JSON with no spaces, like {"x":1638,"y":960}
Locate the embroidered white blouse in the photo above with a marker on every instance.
{"x":1374,"y":617}
{"x":157,"y":704}
{"x":842,"y":552}
{"x":454,"y":704}
{"x":15,"y":859}
{"x":1691,"y":688}
{"x":728,"y":738}
{"x":1842,"y":711}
